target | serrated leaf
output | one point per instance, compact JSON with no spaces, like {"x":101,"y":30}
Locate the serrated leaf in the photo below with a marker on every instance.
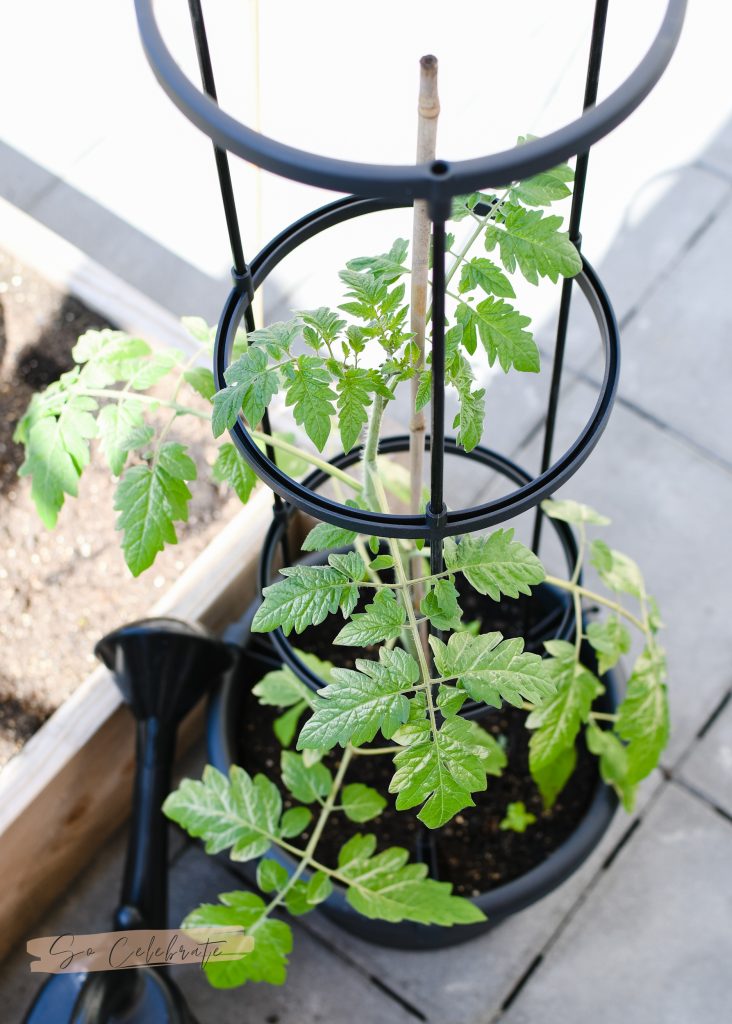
{"x":573,"y":512}
{"x":56,"y":453}
{"x":357,"y":704}
{"x":534,"y":243}
{"x":306,"y":783}
{"x":483,"y":273}
{"x":381,"y":620}
{"x":322,"y":325}
{"x":121,"y":430}
{"x":250,"y":387}
{"x":617,"y":571}
{"x":556,"y":722}
{"x":463,"y":206}
{"x":441,"y":606}
{"x":469,"y":421}
{"x":145,"y":372}
{"x":501,"y":329}
{"x":386,"y":886}
{"x":199,"y":330}
{"x":150,"y":499}
{"x":202,"y":381}
{"x":354,"y":399}
{"x":311,"y":396}
{"x":442,"y":769}
{"x":643,"y":719}
{"x":424,"y":390}
{"x":492,"y":669}
{"x":281,"y":688}
{"x":382,"y":562}
{"x":305,"y":597}
{"x":614,"y":763}
{"x":495,"y":565}
{"x":276,"y":338}
{"x":544,"y":188}
{"x":388,"y":267}
{"x":553,"y":777}
{"x":361,"y":803}
{"x":240,"y":813}
{"x":610,"y":640}
{"x":272,"y":940}
{"x":323,"y":537}
{"x":229,"y":467}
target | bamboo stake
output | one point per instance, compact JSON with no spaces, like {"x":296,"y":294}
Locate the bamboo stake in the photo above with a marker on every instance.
{"x":428,"y":110}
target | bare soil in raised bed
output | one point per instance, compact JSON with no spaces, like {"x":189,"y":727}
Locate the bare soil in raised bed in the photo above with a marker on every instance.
{"x":61,"y":590}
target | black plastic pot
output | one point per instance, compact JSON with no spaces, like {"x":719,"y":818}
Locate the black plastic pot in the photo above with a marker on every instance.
{"x":256,"y":659}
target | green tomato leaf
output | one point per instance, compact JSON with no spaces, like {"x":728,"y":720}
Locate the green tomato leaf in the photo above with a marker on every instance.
{"x":272,"y":940}
{"x":121,"y":431}
{"x":441,"y":607}
{"x":361,"y":803}
{"x":271,"y":875}
{"x":610,"y":640}
{"x":573,"y":512}
{"x":544,"y":188}
{"x":553,"y":777}
{"x":643,"y":719}
{"x":517,"y":818}
{"x":294,"y":821}
{"x":495,"y":565}
{"x":614,"y":765}
{"x":240,"y":813}
{"x":202,"y":381}
{"x":150,"y":499}
{"x":444,"y":768}
{"x":305,"y":597}
{"x":324,"y":537}
{"x":307,"y":783}
{"x":386,"y":886}
{"x":354,"y":398}
{"x":232,"y":469}
{"x":556,"y":722}
{"x":251,"y":386}
{"x":56,"y":453}
{"x":357,"y":704}
{"x":382,"y":620}
{"x":310,"y":395}
{"x":483,"y":273}
{"x":617,"y":571}
{"x":501,"y":330}
{"x":534,"y":243}
{"x":492,"y":669}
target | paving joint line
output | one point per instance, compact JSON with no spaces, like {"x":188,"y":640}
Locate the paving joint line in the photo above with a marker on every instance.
{"x":585,"y":895}
{"x":331,"y":947}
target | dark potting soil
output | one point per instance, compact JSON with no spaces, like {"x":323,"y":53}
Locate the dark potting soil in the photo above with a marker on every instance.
{"x":471,"y":851}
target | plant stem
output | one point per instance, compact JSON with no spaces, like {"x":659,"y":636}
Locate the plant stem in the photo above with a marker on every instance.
{"x":307,"y":854}
{"x":557,"y":581}
{"x":370,"y":469}
{"x":314,"y":460}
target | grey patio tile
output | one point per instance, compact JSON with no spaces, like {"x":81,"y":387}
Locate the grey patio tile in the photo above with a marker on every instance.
{"x":641,"y":269}
{"x":318,"y":987}
{"x":670,"y":511}
{"x":708,"y":767}
{"x":467,"y":984}
{"x":676,"y":353}
{"x":652,"y":942}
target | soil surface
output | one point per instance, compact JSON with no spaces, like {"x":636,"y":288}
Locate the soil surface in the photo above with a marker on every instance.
{"x":472,"y":851}
{"x":61,"y":590}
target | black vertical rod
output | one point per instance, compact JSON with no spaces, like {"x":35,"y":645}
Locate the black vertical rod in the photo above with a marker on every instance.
{"x":241,"y":274}
{"x":436,"y":508}
{"x":580,"y":181}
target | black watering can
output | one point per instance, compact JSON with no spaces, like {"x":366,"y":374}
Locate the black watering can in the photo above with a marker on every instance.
{"x":161,"y":667}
